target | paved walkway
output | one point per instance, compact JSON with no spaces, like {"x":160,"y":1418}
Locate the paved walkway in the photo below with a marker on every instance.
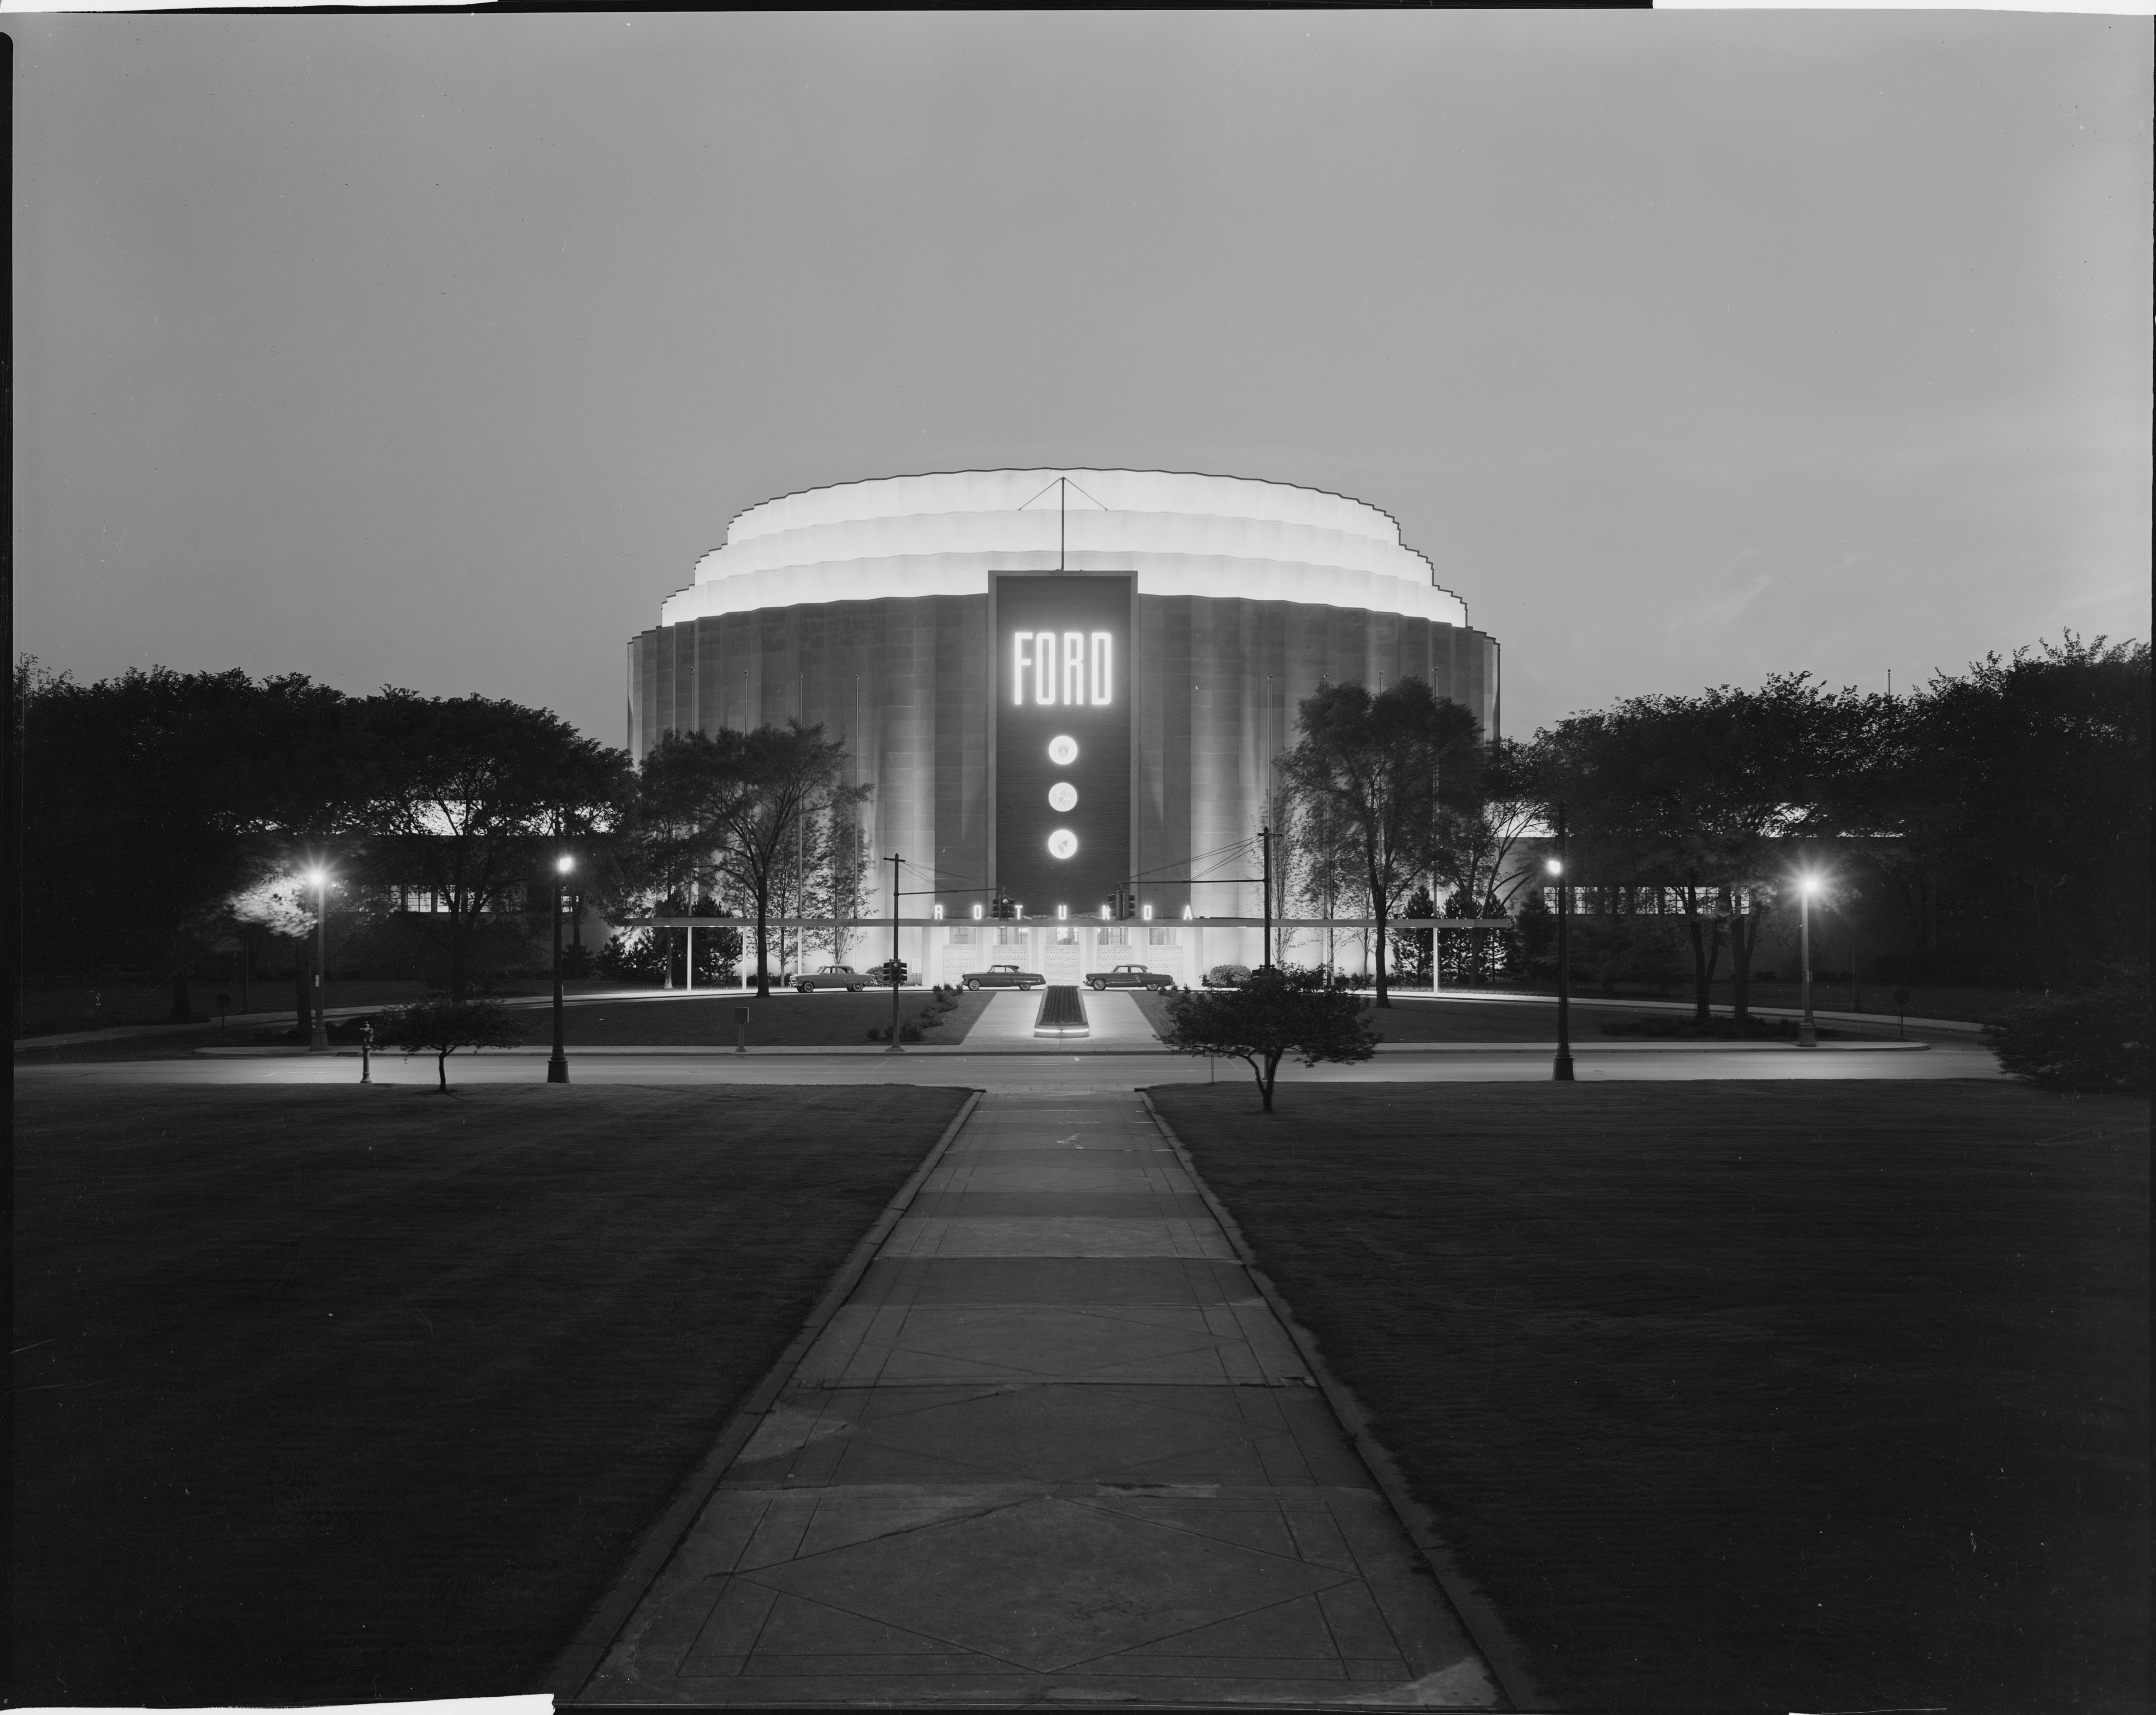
{"x":1055,"y":1450}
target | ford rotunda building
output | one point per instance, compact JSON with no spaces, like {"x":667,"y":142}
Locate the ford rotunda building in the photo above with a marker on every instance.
{"x":1060,"y":684}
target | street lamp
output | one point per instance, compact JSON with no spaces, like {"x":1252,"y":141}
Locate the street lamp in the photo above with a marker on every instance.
{"x":1561,"y":1067}
{"x":320,"y":878}
{"x":558,"y":1064}
{"x":1807,"y":885}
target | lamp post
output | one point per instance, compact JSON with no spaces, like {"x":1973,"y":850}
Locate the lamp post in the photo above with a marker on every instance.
{"x":1561,"y":1067}
{"x":558,"y":1063}
{"x":896,"y":1047}
{"x":1807,"y":885}
{"x":320,"y":878}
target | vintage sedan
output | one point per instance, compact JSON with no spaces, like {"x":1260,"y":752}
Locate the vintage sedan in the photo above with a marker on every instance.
{"x":1003,"y":977}
{"x":1130,"y":976}
{"x":829,"y":977}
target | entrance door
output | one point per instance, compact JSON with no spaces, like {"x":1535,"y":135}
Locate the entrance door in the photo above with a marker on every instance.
{"x":1063,"y":960}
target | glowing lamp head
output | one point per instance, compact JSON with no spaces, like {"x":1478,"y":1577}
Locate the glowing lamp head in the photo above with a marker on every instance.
{"x":1554,"y":867}
{"x":1808,"y":885}
{"x":317,"y":878}
{"x":564,"y":864}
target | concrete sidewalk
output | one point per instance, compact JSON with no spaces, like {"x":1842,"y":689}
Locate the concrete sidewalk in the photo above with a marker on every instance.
{"x":1054,"y":1449}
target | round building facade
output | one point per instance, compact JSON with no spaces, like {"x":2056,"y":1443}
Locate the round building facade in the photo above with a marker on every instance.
{"x":1059,"y":684}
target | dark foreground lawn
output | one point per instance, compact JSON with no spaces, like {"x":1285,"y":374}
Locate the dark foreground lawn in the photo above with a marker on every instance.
{"x":348,"y":1395}
{"x":1731,"y":1396}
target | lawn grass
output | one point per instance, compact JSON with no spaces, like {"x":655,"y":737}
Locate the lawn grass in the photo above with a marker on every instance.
{"x":1450,"y":1021}
{"x":832,"y":1019}
{"x":345,"y":1394}
{"x":1741,"y":1395}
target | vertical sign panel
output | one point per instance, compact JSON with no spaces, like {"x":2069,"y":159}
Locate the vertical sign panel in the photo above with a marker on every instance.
{"x":1063,"y":741}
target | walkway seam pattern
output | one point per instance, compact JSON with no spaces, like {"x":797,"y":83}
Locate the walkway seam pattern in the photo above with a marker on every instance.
{"x":1493,"y":1638}
{"x":575,"y":1664}
{"x":1054,"y":1447}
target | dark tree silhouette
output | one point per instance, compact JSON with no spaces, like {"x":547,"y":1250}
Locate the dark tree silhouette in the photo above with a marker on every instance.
{"x":471,"y":796}
{"x":1706,"y":794}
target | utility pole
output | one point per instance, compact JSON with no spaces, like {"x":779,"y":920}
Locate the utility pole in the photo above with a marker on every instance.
{"x":1266,"y":881}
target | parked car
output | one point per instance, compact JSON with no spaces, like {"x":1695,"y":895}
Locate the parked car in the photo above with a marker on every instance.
{"x":1129,"y":977}
{"x":1003,"y":977}
{"x":829,"y":976}
{"x":1227,"y":976}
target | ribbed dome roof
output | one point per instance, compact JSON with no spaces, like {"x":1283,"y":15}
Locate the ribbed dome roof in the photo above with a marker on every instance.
{"x":1180,"y":534}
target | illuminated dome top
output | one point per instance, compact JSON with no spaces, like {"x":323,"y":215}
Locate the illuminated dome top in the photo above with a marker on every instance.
{"x":1181,"y":535}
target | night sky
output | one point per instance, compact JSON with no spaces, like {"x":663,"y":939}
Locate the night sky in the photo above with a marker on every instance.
{"x":1689,"y":346}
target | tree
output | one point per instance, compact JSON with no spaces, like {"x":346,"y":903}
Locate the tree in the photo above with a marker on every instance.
{"x":1391,"y":770}
{"x":469,"y":796}
{"x":838,"y":882}
{"x":1334,"y":874}
{"x":1706,"y":794}
{"x":1485,"y":836}
{"x":442,"y":1027}
{"x":2018,"y":799}
{"x":1272,"y":1013}
{"x":1415,"y":950}
{"x":730,"y":803}
{"x":149,"y":798}
{"x":279,"y":901}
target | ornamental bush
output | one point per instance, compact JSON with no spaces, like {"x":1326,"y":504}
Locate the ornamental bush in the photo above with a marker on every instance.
{"x":2095,"y":1040}
{"x":441,"y":1027}
{"x":1272,"y":1013}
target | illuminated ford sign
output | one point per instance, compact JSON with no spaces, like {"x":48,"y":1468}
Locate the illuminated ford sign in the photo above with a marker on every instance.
{"x":1063,"y":741}
{"x":1073,"y":668}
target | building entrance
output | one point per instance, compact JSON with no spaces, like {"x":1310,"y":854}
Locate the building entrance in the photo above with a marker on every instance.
{"x":1063,"y":960}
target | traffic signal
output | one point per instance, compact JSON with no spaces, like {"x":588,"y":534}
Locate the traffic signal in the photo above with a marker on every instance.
{"x":891,"y":970}
{"x":1001,"y":907}
{"x":1126,"y":904}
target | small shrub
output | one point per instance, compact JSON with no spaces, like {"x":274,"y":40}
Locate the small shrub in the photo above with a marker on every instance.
{"x":907,"y":1032}
{"x":440,"y":1028}
{"x":1227,"y":976}
{"x":2094,"y":1041}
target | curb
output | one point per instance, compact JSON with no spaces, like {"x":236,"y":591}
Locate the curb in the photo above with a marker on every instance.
{"x":576,"y":1663}
{"x":1485,"y":1629}
{"x":959,"y":1050}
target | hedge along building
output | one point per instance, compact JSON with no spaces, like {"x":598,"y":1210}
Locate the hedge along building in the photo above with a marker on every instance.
{"x":1059,"y":684}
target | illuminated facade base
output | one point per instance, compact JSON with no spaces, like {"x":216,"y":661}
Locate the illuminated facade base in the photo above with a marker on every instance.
{"x":1058,"y":683}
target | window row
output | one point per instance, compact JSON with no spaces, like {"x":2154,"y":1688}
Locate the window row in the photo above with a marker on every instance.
{"x":1063,"y":934}
{"x":1658,"y":901}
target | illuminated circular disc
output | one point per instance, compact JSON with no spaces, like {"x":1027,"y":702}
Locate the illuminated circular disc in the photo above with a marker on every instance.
{"x":1063,"y":749}
{"x":1062,"y":843}
{"x":1063,"y":796}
